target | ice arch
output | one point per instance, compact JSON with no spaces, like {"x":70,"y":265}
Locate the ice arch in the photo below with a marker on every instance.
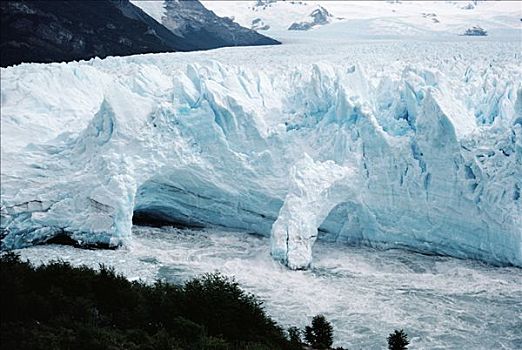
{"x":315,"y":189}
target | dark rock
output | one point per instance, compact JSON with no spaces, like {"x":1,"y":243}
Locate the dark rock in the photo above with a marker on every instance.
{"x":258,"y":24}
{"x":206,"y":30}
{"x":319,"y":16}
{"x":64,"y":30}
{"x":475,"y":31}
{"x":54,"y":31}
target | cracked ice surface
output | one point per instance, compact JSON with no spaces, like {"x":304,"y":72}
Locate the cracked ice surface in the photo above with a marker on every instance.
{"x":431,"y":134}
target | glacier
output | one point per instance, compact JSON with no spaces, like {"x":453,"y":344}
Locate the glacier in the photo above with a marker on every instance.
{"x":360,"y":143}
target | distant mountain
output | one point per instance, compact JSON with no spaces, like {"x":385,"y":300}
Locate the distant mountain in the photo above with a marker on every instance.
{"x":319,"y":16}
{"x":61,"y":30}
{"x":201,"y":27}
{"x":287,"y":20}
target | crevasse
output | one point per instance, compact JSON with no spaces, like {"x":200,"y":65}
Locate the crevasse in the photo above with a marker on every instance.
{"x":424,"y":158}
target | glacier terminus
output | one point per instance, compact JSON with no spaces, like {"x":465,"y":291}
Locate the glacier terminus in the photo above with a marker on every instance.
{"x":387,"y":144}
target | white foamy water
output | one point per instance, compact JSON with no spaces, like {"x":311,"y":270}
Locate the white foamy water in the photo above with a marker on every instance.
{"x":441,"y":302}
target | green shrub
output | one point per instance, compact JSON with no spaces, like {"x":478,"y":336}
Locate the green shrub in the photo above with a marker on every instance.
{"x":320,"y":334}
{"x":398,"y":340}
{"x":58,"y":306}
{"x":294,"y":336}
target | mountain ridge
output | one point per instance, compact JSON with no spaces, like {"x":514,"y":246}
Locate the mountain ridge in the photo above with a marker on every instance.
{"x":60,"y":30}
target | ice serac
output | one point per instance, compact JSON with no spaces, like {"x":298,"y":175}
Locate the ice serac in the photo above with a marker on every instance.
{"x":377,"y":151}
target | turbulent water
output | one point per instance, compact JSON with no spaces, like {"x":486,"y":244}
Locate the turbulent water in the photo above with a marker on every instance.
{"x":441,"y":302}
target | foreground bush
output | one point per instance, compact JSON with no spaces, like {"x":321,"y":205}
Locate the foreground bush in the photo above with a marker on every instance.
{"x":57,"y":306}
{"x":320,"y":334}
{"x":398,"y":340}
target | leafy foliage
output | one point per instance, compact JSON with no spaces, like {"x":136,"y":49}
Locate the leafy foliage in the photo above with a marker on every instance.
{"x":320,"y":334}
{"x":57,"y":306}
{"x":294,"y":336}
{"x":398,"y":340}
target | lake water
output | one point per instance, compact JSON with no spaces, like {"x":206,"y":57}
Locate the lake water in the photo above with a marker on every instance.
{"x":441,"y":302}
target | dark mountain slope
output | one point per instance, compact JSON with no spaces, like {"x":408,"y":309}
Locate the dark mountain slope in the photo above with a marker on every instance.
{"x":50,"y":31}
{"x":205,"y":29}
{"x":61,"y":30}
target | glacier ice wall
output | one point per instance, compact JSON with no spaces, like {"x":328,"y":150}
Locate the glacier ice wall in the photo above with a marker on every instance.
{"x":369,"y":148}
